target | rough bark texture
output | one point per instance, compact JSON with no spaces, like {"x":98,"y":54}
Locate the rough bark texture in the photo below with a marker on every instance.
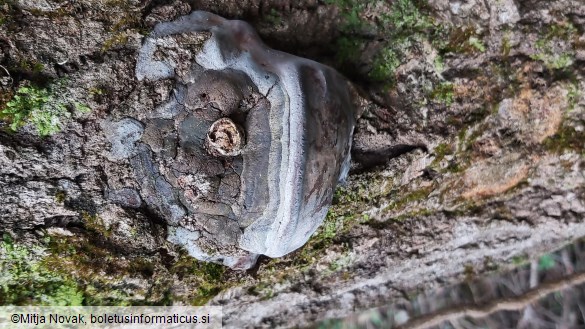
{"x":487,"y":99}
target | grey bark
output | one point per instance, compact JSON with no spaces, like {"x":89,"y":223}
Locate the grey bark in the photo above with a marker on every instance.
{"x":502,"y":178}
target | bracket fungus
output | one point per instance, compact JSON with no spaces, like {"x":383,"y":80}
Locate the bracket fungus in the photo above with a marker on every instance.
{"x":244,"y":156}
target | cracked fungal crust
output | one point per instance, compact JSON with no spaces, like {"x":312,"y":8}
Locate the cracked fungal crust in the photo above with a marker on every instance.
{"x":244,"y":156}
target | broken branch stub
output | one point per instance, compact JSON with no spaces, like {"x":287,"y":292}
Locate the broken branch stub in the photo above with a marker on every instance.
{"x":224,"y":138}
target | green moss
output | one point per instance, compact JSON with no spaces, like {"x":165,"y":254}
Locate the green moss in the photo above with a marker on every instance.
{"x":31,"y":66}
{"x":5,"y":97}
{"x":52,"y":14}
{"x":506,"y":46}
{"x":41,"y":107}
{"x":564,"y":31}
{"x":351,"y":13}
{"x":469,"y":272}
{"x":400,"y":31}
{"x":439,"y":64}
{"x":546,"y":262}
{"x":209,"y":277}
{"x":329,"y":229}
{"x":406,"y":26}
{"x":344,"y":195}
{"x":187,"y":265}
{"x":143,"y":266}
{"x":461,"y":136}
{"x":95,"y":223}
{"x":350,"y":202}
{"x":476,"y":44}
{"x":466,"y":208}
{"x":96,"y":91}
{"x":443,"y":93}
{"x":60,"y":196}
{"x":441,"y":151}
{"x":573,"y":96}
{"x":98,"y":269}
{"x":348,"y":49}
{"x":463,"y":40}
{"x":25,"y":279}
{"x":554,"y":61}
{"x":8,"y":10}
{"x":274,"y":17}
{"x":567,"y":138}
{"x":262,"y":290}
{"x":411,"y":214}
{"x":385,"y":64}
{"x":31,"y":105}
{"x":117,"y":40}
{"x":122,"y":26}
{"x":551,"y":58}
{"x":341,"y":263}
{"x":454,"y":167}
{"x":520,"y":260}
{"x":465,"y":140}
{"x":333,"y":227}
{"x":399,"y":203}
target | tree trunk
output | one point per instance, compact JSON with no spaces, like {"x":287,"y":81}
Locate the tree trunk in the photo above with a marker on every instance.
{"x":487,"y":101}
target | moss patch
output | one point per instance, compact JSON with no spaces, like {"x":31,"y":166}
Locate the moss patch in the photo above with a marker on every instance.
{"x":441,"y":151}
{"x":566,"y":138}
{"x":105,"y":274}
{"x":46,"y":109}
{"x":443,"y":93}
{"x":26,"y":278}
{"x":95,"y":223}
{"x":464,"y":39}
{"x":118,"y":39}
{"x":400,"y":199}
{"x":208,"y":278}
{"x":551,"y":57}
{"x":400,"y":29}
{"x":7,"y":11}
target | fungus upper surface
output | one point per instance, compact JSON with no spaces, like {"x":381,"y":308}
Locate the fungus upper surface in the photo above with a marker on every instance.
{"x":244,"y":156}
